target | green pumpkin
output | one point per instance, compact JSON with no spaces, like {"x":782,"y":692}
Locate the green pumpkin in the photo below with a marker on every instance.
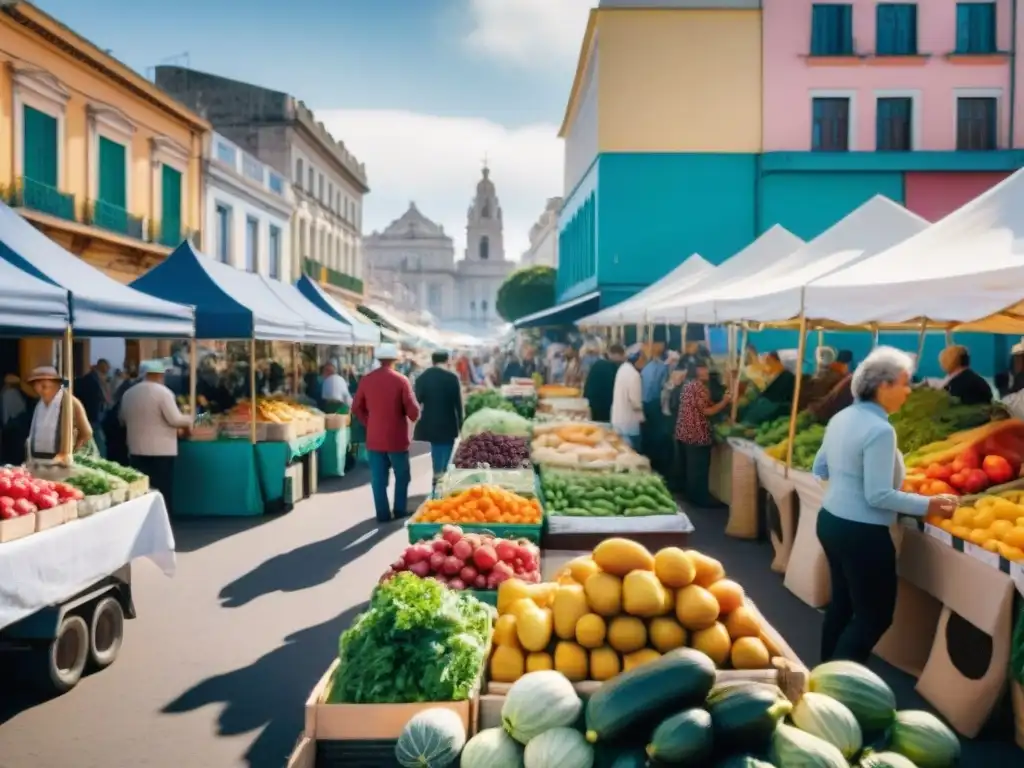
{"x":433,"y":738}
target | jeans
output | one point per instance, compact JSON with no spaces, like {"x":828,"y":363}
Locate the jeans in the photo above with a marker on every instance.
{"x":381,"y":464}
{"x":160,"y":471}
{"x":862,"y":564}
{"x":440,"y":457}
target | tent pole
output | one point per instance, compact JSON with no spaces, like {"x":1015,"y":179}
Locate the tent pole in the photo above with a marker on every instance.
{"x":874,"y":335}
{"x":949,"y":337}
{"x":67,"y":426}
{"x":801,"y":349}
{"x":193,"y":368}
{"x":252,"y":391}
{"x":295,"y":368}
{"x":736,"y":379}
{"x":921,"y":337}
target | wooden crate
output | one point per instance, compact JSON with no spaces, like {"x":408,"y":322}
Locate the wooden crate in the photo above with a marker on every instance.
{"x":17,"y":527}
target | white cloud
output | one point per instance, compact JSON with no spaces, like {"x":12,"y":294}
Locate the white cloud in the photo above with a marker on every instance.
{"x":528,"y":33}
{"x":436,"y":161}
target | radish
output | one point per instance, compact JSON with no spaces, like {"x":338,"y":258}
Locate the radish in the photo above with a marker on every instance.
{"x":421,"y":568}
{"x":436,"y":561}
{"x":506,"y":551}
{"x":480,"y":582}
{"x":418,"y":552}
{"x":462,"y":549}
{"x":452,"y":534}
{"x":474,"y":539}
{"x":452,"y":565}
{"x":492,"y":581}
{"x":398,"y":565}
{"x":440,"y":545}
{"x":440,"y":577}
{"x":504,"y":569}
{"x":485,"y":558}
{"x":468,"y":574}
{"x":456,"y":584}
{"x":528,"y":558}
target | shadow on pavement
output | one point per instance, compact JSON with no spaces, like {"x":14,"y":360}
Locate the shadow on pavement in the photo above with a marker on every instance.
{"x":271,"y":692}
{"x":749,"y":563}
{"x":309,"y":565}
{"x":192,"y":534}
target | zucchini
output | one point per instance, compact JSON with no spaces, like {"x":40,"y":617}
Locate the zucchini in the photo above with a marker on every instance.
{"x":679,"y":680}
{"x":683,"y":739}
{"x":745,"y":716}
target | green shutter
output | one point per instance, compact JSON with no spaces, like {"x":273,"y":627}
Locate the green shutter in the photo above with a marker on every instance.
{"x":113,"y":186}
{"x":40,"y":147}
{"x":170,"y":219}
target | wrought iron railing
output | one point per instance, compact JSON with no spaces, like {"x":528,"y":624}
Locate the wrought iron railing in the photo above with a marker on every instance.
{"x":114,"y":218}
{"x":29,"y":193}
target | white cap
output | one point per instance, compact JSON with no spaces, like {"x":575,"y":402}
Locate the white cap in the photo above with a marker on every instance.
{"x":387,"y":352}
{"x":151,"y":366}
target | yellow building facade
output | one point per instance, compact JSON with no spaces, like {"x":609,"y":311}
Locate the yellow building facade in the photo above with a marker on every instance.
{"x":92,"y":153}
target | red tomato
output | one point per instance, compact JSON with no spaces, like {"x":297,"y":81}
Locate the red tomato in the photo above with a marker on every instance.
{"x":5,"y":485}
{"x":19,"y":489}
{"x":959,"y":480}
{"x":24,"y":507}
{"x":939,"y":471}
{"x":46,"y":500}
{"x":971,"y":458}
{"x":7,"y":513}
{"x":977,"y":481}
{"x":998,"y":469}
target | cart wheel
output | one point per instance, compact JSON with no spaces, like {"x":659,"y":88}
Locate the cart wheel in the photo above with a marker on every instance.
{"x":68,"y":653}
{"x":106,"y":632}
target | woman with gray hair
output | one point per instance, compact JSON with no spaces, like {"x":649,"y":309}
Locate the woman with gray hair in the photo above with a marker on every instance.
{"x":865,"y":470}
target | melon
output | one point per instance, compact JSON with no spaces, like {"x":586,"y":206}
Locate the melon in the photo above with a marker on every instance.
{"x":559,"y":748}
{"x":433,"y":738}
{"x":538,"y":702}
{"x":492,"y":748}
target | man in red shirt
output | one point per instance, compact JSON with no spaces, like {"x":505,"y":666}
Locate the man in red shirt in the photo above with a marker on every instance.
{"x":385,"y":405}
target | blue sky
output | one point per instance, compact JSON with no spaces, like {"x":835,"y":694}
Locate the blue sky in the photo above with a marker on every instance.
{"x":420,"y":90}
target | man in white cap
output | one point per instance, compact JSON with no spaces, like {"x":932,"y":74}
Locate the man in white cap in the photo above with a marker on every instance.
{"x":152,"y":419}
{"x":385,"y":405}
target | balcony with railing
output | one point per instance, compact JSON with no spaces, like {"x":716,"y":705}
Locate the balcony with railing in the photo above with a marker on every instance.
{"x":320,"y":273}
{"x":114,"y":218}
{"x":32,"y":194}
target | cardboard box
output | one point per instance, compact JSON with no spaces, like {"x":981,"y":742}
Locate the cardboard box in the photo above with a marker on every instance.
{"x":743,"y":523}
{"x":365,"y":722}
{"x":952,"y":629}
{"x":17,"y":528}
{"x":51,"y":518}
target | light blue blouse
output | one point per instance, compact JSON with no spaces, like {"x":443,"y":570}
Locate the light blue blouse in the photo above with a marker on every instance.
{"x":864,"y":469}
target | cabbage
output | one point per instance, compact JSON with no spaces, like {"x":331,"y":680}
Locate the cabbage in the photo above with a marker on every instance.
{"x":498,"y":422}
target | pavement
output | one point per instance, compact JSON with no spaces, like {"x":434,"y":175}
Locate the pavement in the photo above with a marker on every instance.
{"x":215,"y":670}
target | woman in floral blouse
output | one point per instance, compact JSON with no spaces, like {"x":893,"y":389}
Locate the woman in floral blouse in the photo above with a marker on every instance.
{"x":693,"y":432}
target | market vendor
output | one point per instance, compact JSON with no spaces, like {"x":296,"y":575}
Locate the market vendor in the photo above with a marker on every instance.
{"x":777,"y":395}
{"x":334,"y":394}
{"x":45,"y":433}
{"x":822,"y":383}
{"x":963,"y":383}
{"x":152,"y":419}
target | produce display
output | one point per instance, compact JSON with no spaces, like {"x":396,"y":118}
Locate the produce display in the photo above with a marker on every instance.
{"x":497,"y":422}
{"x":995,"y":522}
{"x":620,"y":608}
{"x":92,"y":483}
{"x":127,"y":474}
{"x":775,"y":431}
{"x":592,"y":494}
{"x":268,"y":410}
{"x":968,"y":462}
{"x":481,"y":504}
{"x":489,"y":451}
{"x":557,"y":391}
{"x":22,"y":494}
{"x":470,"y":560}
{"x":520,"y":481}
{"x":584,"y":446}
{"x":564,"y":408}
{"x":489,"y":398}
{"x":930,"y":415}
{"x":418,"y":641}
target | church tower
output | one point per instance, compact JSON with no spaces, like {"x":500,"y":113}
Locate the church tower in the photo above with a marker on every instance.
{"x":484,"y":241}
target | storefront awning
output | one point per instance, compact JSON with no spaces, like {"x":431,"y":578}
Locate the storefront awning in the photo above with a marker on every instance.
{"x":321,"y":328}
{"x":99,"y":305}
{"x":566,"y":313}
{"x":363,"y":331}
{"x":229,"y":303}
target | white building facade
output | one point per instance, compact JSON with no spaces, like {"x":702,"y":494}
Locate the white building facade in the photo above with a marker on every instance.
{"x":413,"y":262}
{"x":249,"y":211}
{"x":543,"y":251}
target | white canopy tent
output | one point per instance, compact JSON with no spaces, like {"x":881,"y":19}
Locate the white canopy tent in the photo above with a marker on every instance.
{"x":634,"y":309}
{"x":776,"y":295}
{"x":762,"y":255}
{"x":967,"y":270}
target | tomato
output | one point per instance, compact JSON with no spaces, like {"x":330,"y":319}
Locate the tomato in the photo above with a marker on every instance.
{"x":24,"y":507}
{"x":971,"y":458}
{"x":998,"y":469}
{"x":959,"y":480}
{"x":939,"y":471}
{"x":46,"y":500}
{"x":7,"y":513}
{"x":939,"y":487}
{"x":19,"y":489}
{"x":977,"y":481}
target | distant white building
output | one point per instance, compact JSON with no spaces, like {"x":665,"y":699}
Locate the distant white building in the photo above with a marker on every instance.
{"x":544,"y":237}
{"x":413,"y":262}
{"x":249,"y":208}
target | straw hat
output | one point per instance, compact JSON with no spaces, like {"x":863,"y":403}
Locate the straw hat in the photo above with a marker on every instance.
{"x":387,"y":352}
{"x":44,"y":373}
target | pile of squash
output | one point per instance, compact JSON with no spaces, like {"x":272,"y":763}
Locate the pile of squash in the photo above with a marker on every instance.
{"x":622,"y":607}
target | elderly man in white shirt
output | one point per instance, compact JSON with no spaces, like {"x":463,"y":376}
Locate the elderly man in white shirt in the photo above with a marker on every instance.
{"x":334,"y":390}
{"x":152,"y":419}
{"x":627,"y":400}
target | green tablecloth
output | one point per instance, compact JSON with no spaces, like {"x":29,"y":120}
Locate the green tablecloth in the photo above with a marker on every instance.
{"x":332,"y":453}
{"x":222,"y":478}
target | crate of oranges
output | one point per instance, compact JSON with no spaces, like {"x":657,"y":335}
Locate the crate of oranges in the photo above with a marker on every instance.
{"x":480,"y":508}
{"x":994,"y":522}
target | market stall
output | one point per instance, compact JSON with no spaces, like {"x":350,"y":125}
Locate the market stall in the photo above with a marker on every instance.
{"x":251,"y":460}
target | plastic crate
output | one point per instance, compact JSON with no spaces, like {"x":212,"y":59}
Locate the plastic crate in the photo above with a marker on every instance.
{"x":489,"y":596}
{"x":421,"y":531}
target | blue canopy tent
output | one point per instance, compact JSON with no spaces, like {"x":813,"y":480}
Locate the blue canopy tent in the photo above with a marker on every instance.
{"x":364,"y":332}
{"x":99,"y":305}
{"x":229,"y":303}
{"x":321,"y":328}
{"x":28,"y":305}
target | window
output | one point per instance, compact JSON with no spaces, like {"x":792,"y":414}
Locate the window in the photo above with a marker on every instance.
{"x":330,"y":196}
{"x":894,"y":124}
{"x":223,"y":233}
{"x":483,"y":307}
{"x":298,"y":171}
{"x":320,"y":192}
{"x":252,"y":168}
{"x":40,"y":147}
{"x":896,"y":33}
{"x":170,"y":207}
{"x":309,"y":188}
{"x":485,"y":211}
{"x":252,"y":244}
{"x":975,"y":27}
{"x":976,"y":126}
{"x":274,"y":255}
{"x":226,"y":154}
{"x":485,"y":248}
{"x":830,"y":130}
{"x":113,"y":173}
{"x":831,"y":29}
{"x":434,"y":303}
{"x":276,"y":183}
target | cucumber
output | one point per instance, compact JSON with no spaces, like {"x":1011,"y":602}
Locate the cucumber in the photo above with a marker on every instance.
{"x":679,"y":680}
{"x":745,"y":715}
{"x":683,"y":739}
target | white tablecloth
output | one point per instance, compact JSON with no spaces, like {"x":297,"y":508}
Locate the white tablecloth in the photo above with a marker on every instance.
{"x":49,"y":567}
{"x":678,"y":523}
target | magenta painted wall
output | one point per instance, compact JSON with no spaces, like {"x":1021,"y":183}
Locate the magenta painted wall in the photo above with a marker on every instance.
{"x":790,"y":77}
{"x":934,"y":195}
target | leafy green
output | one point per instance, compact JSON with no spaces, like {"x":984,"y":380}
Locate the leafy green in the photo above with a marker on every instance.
{"x":90,"y":483}
{"x":930,"y":415}
{"x":488,"y":398}
{"x":500,"y":422}
{"x":418,"y":641}
{"x":127,"y":474}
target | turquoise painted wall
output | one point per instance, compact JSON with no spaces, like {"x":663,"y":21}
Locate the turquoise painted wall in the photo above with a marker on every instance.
{"x":655,"y":210}
{"x":809,"y":203}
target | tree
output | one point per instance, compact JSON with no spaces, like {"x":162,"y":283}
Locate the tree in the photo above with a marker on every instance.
{"x":526,"y":291}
